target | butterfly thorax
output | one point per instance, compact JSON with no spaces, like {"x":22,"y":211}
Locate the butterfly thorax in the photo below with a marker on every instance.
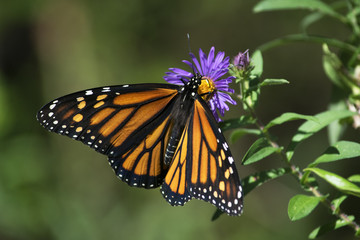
{"x":207,"y":88}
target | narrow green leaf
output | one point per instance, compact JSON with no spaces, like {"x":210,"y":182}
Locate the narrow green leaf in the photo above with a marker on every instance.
{"x":319,"y":231}
{"x":337,"y":128}
{"x":255,"y":180}
{"x":236,"y":123}
{"x":310,"y":19}
{"x":301,"y":205}
{"x":337,"y":202}
{"x":332,"y":66}
{"x":257,"y":62}
{"x":313,"y":5}
{"x":286,"y":117}
{"x":273,"y":81}
{"x":240,"y":132}
{"x":338,"y":151}
{"x":354,"y":178}
{"x":311,"y":127}
{"x":307,"y":38}
{"x":258,"y":151}
{"x":337,"y":181}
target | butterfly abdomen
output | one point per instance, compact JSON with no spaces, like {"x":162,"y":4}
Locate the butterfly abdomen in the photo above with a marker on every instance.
{"x":170,"y":149}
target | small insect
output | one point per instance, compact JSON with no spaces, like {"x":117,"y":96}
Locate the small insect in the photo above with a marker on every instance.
{"x":159,"y":134}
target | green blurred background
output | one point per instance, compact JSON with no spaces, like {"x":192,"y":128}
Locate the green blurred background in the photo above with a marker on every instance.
{"x":52,"y":187}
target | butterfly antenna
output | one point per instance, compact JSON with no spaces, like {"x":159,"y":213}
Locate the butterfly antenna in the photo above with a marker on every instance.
{"x":190,"y":52}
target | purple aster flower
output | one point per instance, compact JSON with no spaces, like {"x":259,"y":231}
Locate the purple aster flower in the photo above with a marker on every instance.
{"x":211,"y":68}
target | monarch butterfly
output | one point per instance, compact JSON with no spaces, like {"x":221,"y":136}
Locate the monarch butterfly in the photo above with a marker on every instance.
{"x":157,"y":134}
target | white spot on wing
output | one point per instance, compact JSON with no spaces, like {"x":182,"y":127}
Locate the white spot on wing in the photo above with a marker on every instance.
{"x":52,"y":106}
{"x":89,"y":92}
{"x":239,"y":194}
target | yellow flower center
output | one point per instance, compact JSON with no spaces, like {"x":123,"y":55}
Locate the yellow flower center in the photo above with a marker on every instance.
{"x":206,"y":88}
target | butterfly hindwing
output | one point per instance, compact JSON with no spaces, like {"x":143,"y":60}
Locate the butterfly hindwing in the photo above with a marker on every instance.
{"x":143,"y":164}
{"x":129,"y":123}
{"x":174,"y":188}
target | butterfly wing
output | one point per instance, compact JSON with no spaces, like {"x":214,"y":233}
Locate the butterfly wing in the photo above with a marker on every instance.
{"x":203,"y":166}
{"x":174,"y":189}
{"x":129,"y":123}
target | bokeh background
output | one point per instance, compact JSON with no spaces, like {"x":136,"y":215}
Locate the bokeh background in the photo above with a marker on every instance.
{"x":52,"y":187}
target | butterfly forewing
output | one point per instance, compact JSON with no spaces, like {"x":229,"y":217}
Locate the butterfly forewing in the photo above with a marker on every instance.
{"x":203,"y":166}
{"x":213,"y":177}
{"x":128,"y":123}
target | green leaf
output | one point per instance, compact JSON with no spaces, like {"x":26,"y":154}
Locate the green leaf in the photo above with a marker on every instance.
{"x":301,"y":205}
{"x":293,"y":38}
{"x":332,"y":65}
{"x":338,"y":151}
{"x":286,"y":117}
{"x":319,"y":231}
{"x":236,"y":123}
{"x":258,"y":151}
{"x":313,"y":5}
{"x":333,"y":68}
{"x":273,"y":81}
{"x":240,"y":132}
{"x":310,"y":19}
{"x":337,"y":128}
{"x":311,"y":127}
{"x":255,"y":180}
{"x":354,"y":178}
{"x":257,"y":62}
{"x":337,"y":181}
{"x":337,"y":202}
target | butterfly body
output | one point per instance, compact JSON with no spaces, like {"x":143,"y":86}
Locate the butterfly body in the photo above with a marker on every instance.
{"x":182,"y":109}
{"x":154,"y":134}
